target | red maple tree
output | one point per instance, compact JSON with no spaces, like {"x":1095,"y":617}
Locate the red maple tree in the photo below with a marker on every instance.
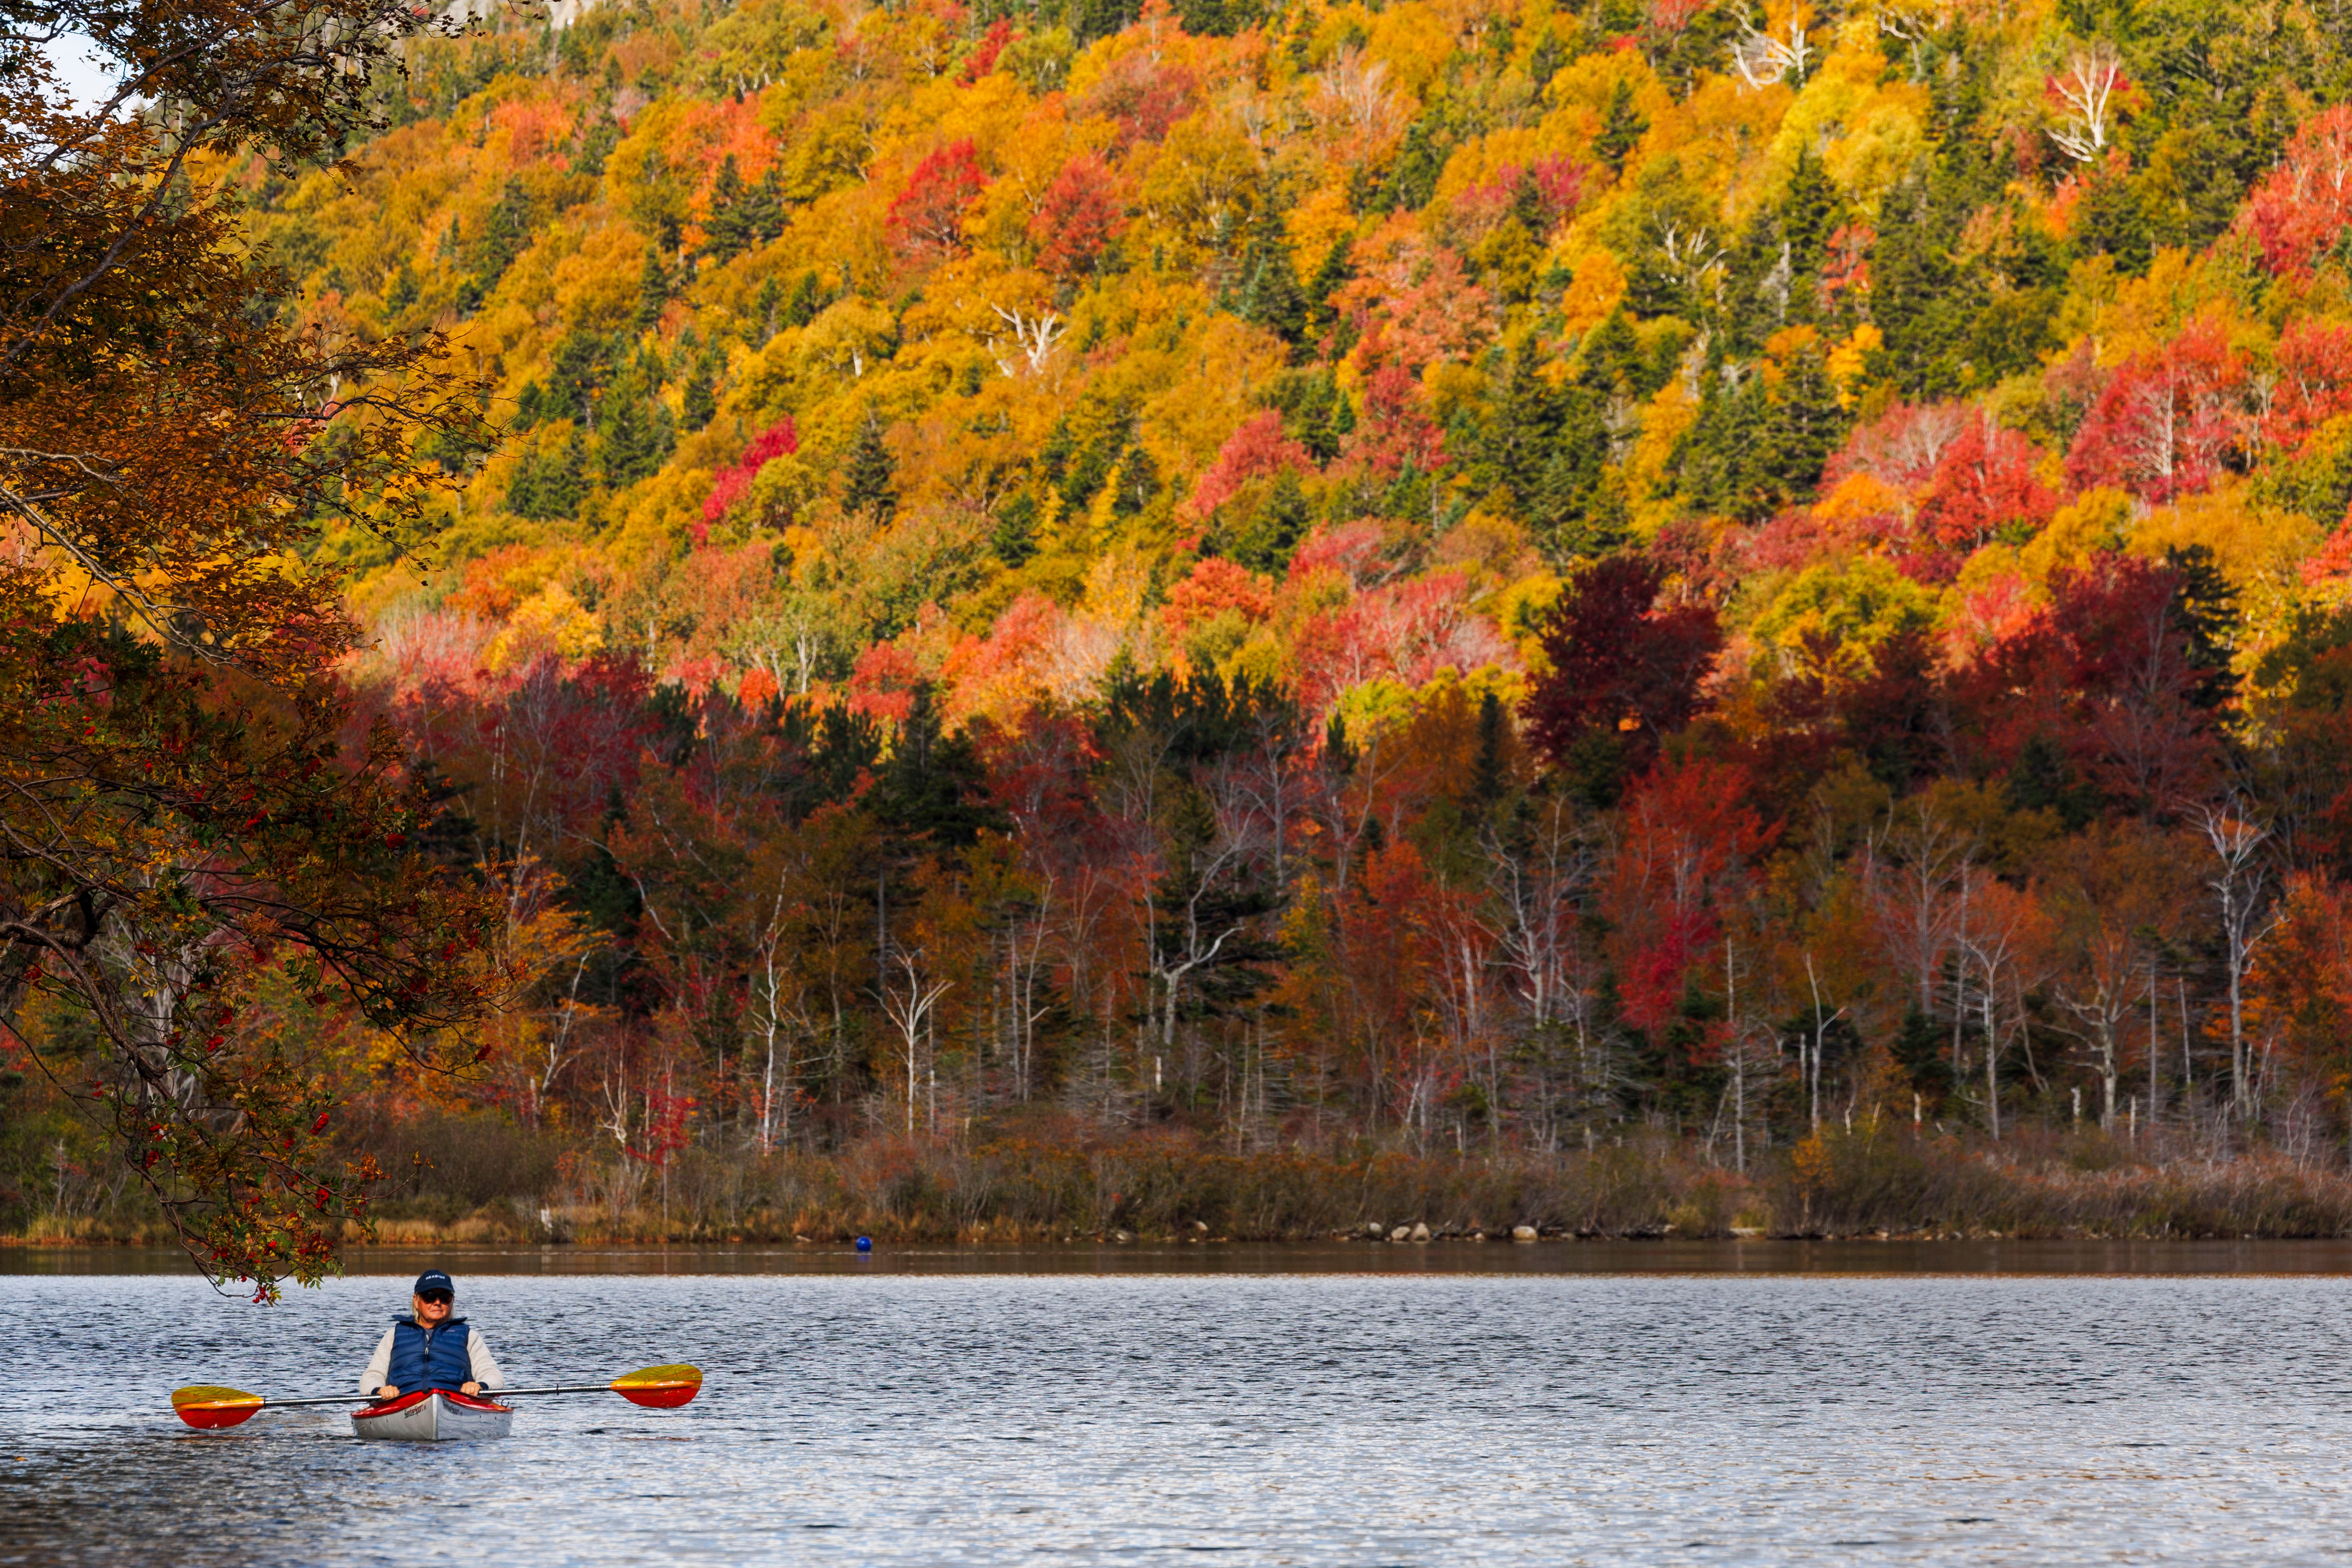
{"x":925,"y":219}
{"x":2166,"y":423}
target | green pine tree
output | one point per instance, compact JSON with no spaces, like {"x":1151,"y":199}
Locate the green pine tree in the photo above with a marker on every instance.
{"x":1512,"y":444}
{"x":763,"y":209}
{"x":1603,"y":526}
{"x":2205,"y":603}
{"x":1920,"y":298}
{"x":808,"y":299}
{"x":1623,"y":126}
{"x":1562,"y":498}
{"x":1807,"y":425}
{"x":725,"y":235}
{"x":2111,"y":219}
{"x":699,"y":400}
{"x":934,"y":788}
{"x":1610,"y":362}
{"x":653,"y":290}
{"x":765,"y":306}
{"x":1135,"y":484}
{"x":1809,"y":213}
{"x":578,"y":367}
{"x":1490,"y":776}
{"x":1014,"y":538}
{"x":1270,"y":294}
{"x":630,"y":442}
{"x":1331,"y":275}
{"x":1722,"y":463}
{"x":1271,"y":537}
{"x":504,"y":237}
{"x":1420,"y":159}
{"x":1315,"y":413}
{"x":1092,"y":466}
{"x":869,"y":481}
{"x":1546,"y":58}
{"x":1203,"y":18}
{"x":548,"y":485}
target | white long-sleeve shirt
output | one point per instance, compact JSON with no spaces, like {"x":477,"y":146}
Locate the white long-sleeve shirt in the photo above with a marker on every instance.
{"x":482,"y":1367}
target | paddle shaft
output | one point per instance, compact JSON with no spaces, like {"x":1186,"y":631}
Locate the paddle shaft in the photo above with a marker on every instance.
{"x":560,"y":1388}
{"x":268,"y":1403}
{"x":209,"y":1406}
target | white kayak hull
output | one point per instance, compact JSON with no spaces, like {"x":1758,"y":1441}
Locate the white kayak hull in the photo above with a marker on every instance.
{"x":434,"y":1416}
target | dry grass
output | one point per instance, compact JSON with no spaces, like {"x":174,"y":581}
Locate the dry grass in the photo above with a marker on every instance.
{"x":1890,"y":1181}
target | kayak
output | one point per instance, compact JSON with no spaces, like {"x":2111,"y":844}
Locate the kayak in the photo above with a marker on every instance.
{"x":434,"y":1416}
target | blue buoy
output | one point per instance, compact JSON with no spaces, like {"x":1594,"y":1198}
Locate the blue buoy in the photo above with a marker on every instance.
{"x":865,"y":1244}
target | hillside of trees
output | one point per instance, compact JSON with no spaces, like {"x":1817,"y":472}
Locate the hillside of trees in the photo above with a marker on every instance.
{"x":1757,"y":594}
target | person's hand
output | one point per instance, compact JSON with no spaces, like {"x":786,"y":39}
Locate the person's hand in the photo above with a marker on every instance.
{"x":387,"y":1392}
{"x":469,"y":1387}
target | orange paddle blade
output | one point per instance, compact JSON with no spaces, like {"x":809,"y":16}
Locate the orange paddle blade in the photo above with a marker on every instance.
{"x":204,"y":1405}
{"x":659,"y":1387}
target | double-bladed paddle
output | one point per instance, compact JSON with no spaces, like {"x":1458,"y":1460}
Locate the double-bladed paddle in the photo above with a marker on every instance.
{"x":655,"y":1387}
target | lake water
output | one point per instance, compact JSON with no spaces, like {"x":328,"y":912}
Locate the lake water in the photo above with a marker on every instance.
{"x":1373,"y":1406}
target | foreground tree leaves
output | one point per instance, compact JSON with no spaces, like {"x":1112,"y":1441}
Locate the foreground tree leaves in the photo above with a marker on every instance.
{"x":182,"y":823}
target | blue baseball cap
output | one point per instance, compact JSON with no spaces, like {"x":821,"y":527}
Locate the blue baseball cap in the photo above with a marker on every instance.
{"x":433,"y":1280}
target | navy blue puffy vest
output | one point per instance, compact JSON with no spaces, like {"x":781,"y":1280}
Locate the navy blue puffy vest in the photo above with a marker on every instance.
{"x":429,"y":1358}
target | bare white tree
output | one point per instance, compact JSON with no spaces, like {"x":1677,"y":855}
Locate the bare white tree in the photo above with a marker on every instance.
{"x":2240,"y":888}
{"x":1537,"y":886}
{"x":1763,"y":55}
{"x":1352,"y":91}
{"x":1025,"y":938}
{"x":909,"y":995}
{"x":1811,"y":1070}
{"x":1034,"y":337}
{"x":2087,"y":89}
{"x":1993,"y":942}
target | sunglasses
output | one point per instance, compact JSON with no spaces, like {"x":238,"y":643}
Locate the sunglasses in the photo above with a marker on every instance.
{"x":442,"y":1297}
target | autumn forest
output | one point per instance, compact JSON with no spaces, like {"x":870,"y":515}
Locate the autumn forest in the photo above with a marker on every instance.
{"x":1049,"y":619}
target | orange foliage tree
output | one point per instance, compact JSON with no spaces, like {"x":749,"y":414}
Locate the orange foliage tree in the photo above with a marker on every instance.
{"x":182,"y":824}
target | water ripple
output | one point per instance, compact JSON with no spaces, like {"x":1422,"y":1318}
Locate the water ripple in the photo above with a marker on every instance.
{"x":1134,"y":1419}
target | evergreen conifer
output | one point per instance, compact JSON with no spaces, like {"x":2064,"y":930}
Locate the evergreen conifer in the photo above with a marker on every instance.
{"x":1270,"y":293}
{"x":1331,"y":275}
{"x":1412,"y":179}
{"x":1136,"y":483}
{"x":1623,"y":126}
{"x":1611,"y":365}
{"x":869,"y":484}
{"x":1806,"y":426}
{"x":1513,"y":442}
{"x":632,"y":436}
{"x":724,"y":231}
{"x":1546,"y":58}
{"x":653,"y":290}
{"x":1273,"y":534}
{"x":807,"y":300}
{"x":504,"y":237}
{"x":1014,"y":538}
{"x":934,"y":788}
{"x":698,"y":399}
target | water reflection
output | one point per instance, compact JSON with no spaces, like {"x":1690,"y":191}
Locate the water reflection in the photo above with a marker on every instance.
{"x":1315,"y":1417}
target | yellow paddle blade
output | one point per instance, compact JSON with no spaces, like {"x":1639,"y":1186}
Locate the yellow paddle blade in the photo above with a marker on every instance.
{"x":659,"y":1387}
{"x":205,"y":1405}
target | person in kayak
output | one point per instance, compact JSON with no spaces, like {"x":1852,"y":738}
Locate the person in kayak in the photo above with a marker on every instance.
{"x":430,"y":1348}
